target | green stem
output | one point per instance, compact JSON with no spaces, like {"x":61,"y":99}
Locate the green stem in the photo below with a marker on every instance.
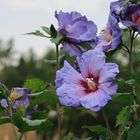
{"x":13,"y":127}
{"x":20,"y":138}
{"x":132,"y":36}
{"x":25,"y":136}
{"x":57,"y":57}
{"x":59,"y":122}
{"x":107,"y":124}
{"x":58,"y":105}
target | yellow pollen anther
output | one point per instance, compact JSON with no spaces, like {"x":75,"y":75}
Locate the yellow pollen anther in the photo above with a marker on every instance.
{"x":14,"y":96}
{"x":68,"y":28}
{"x":91,"y":83}
{"x":107,"y":37}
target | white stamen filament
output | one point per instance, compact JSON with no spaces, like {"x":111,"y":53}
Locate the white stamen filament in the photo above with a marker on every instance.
{"x":91,"y":83}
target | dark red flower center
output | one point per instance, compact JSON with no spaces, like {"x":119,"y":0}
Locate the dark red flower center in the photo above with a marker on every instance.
{"x":138,"y":21}
{"x":108,"y":36}
{"x":135,"y":18}
{"x":90,"y":84}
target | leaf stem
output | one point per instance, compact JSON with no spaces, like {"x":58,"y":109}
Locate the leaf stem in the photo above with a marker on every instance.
{"x":57,"y":57}
{"x":13,"y":127}
{"x":132,"y":36}
{"x":25,"y":136}
{"x":20,"y":138}
{"x":58,"y":105}
{"x":125,"y":48}
{"x":107,"y":124}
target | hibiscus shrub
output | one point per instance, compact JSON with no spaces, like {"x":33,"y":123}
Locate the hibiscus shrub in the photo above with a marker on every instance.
{"x":89,"y":84}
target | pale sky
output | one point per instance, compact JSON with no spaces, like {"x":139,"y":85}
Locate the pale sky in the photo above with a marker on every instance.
{"x":22,"y":16}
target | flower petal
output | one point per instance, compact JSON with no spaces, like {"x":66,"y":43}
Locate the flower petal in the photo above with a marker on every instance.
{"x":63,"y":19}
{"x":130,"y":15}
{"x":108,"y":72}
{"x":73,"y":49}
{"x":91,"y":62}
{"x":70,"y":94}
{"x":83,"y":30}
{"x":111,"y":38}
{"x":109,"y":88}
{"x":3,"y":103}
{"x":95,"y":101}
{"x":67,"y":75}
{"x":116,"y":32}
{"x":76,"y":27}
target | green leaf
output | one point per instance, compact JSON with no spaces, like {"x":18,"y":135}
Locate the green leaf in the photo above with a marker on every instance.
{"x":86,"y":45}
{"x":4,"y":120}
{"x":53,"y":31}
{"x":70,"y":136}
{"x":61,"y":60}
{"x":125,"y":29}
{"x":51,"y":62}
{"x":3,"y":91}
{"x":2,"y":111}
{"x":134,"y":1}
{"x":91,"y":138}
{"x":97,"y":129}
{"x":24,"y":124}
{"x":138,"y":54}
{"x":48,"y":97}
{"x":46,"y":29}
{"x":134,"y":131}
{"x":123,"y":3}
{"x":37,"y":33}
{"x":123,"y":98}
{"x":123,"y":116}
{"x":39,"y":115}
{"x":57,"y":40}
{"x":35,"y":85}
{"x":130,"y":82}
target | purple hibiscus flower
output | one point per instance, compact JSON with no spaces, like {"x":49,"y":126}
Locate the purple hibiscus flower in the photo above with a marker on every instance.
{"x":111,"y":36}
{"x":18,"y":98}
{"x":130,"y":16}
{"x":93,"y":87}
{"x":76,"y":29}
{"x":115,"y":8}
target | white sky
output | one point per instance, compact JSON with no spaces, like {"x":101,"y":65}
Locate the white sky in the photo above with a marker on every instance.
{"x":21,"y":16}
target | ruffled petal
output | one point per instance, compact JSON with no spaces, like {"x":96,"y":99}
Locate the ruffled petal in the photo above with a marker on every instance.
{"x":109,"y":88}
{"x":115,"y":8}
{"x":73,"y":49}
{"x":63,"y":19}
{"x":116,"y":32}
{"x":112,"y":36}
{"x":21,"y":103}
{"x":70,"y":94}
{"x":67,"y":75}
{"x":95,"y":101}
{"x":83,"y":30}
{"x":76,"y":27}
{"x":108,"y":72}
{"x":91,"y":62}
{"x":130,"y":16}
{"x":3,"y":103}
